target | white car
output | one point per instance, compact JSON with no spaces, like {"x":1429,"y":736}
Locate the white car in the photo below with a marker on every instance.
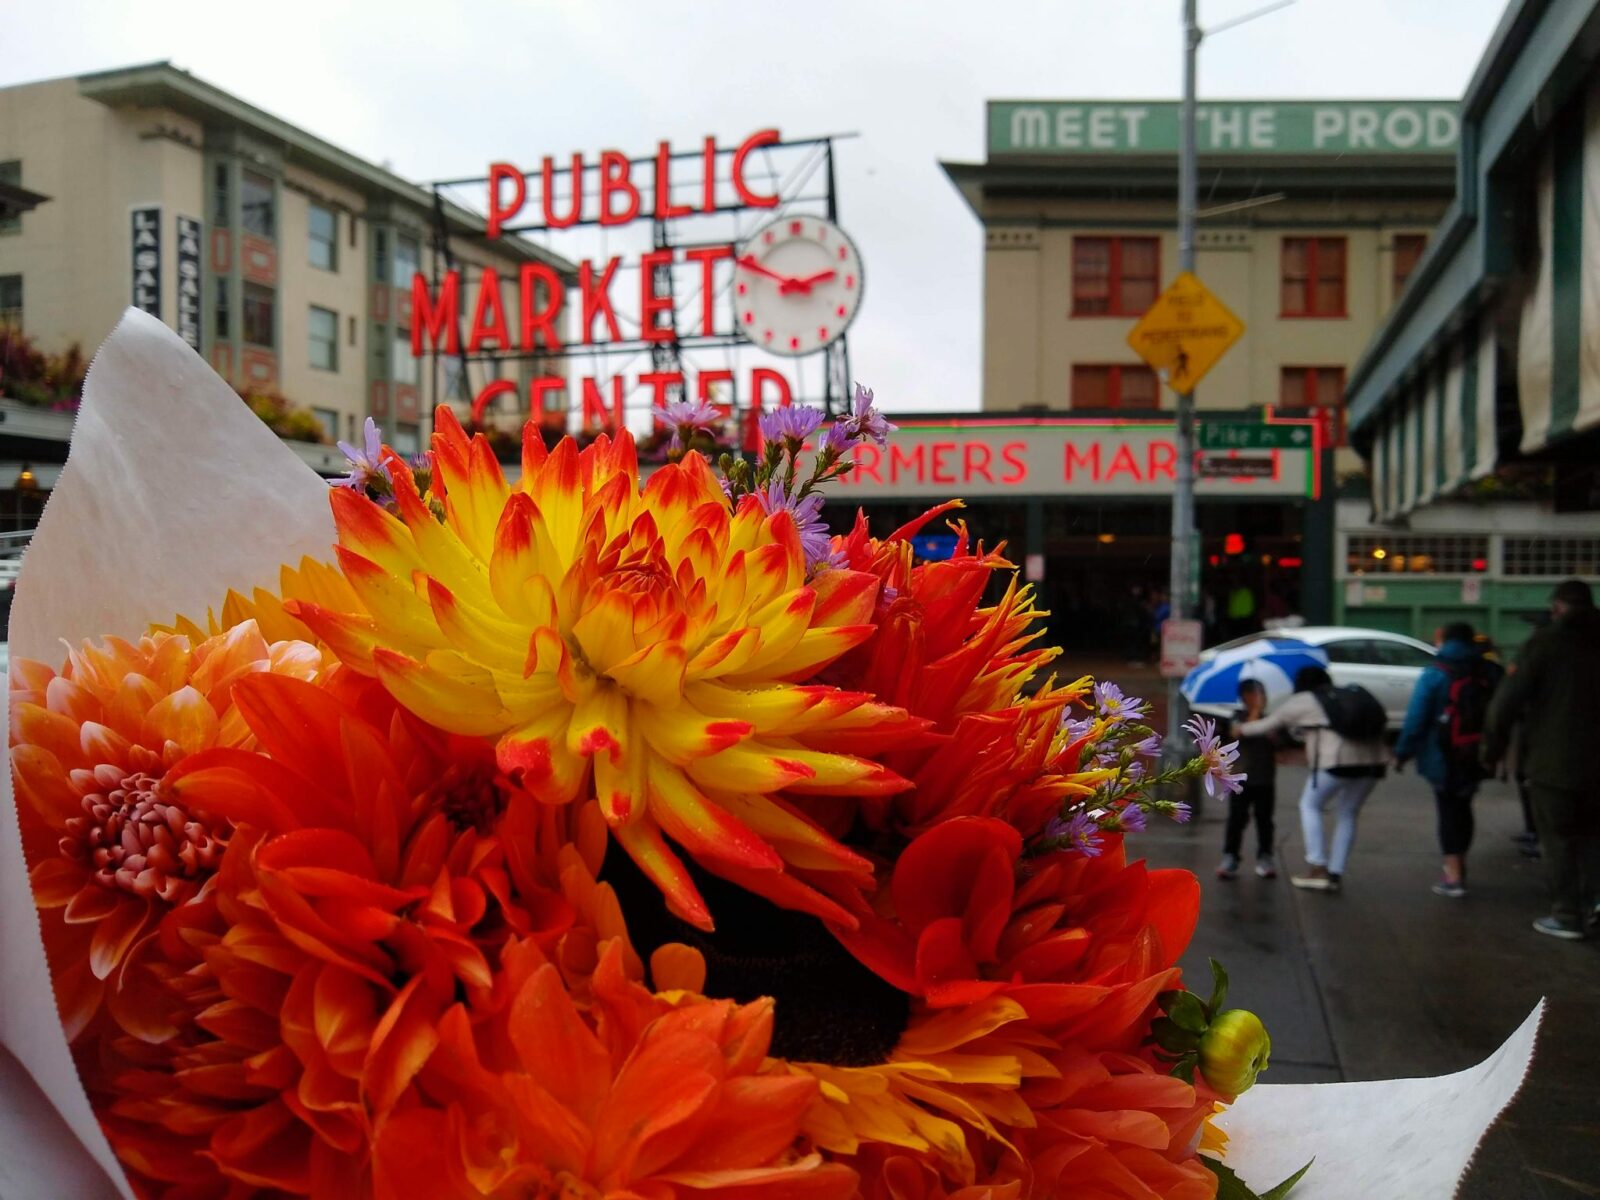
{"x":1386,"y":664}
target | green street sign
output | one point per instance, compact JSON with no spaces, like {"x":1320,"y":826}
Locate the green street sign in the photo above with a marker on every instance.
{"x":1300,"y":127}
{"x":1253,"y":435}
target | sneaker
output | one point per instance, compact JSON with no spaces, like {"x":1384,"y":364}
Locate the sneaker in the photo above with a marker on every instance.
{"x":1455,"y":890}
{"x":1317,"y":881}
{"x":1228,"y":868}
{"x":1558,"y":928}
{"x":1266,"y":867}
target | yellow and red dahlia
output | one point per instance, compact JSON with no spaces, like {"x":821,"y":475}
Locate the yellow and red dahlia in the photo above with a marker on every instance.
{"x":637,"y":645}
{"x":111,"y":850}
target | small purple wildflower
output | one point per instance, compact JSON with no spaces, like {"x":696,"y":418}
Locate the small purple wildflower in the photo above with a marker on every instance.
{"x":1132,"y":819}
{"x":1216,"y":757}
{"x":815,"y":540}
{"x":865,"y":421}
{"x":685,"y":418}
{"x":1076,"y":728}
{"x":793,"y":422}
{"x":366,"y":462}
{"x":1181,"y":813}
{"x":840,"y":440}
{"x":1150,"y":747}
{"x":1080,"y":830}
{"x":1113,"y":705}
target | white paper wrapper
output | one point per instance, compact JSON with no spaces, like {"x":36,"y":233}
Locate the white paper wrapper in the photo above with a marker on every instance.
{"x":173,"y":493}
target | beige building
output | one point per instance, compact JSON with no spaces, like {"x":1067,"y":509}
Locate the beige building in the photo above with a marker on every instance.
{"x":286,"y":261}
{"x":1312,"y":217}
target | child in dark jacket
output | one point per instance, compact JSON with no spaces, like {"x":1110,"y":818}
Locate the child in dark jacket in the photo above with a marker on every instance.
{"x":1258,"y":759}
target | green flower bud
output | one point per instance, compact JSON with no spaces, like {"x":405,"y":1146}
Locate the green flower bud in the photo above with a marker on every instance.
{"x":1234,"y":1050}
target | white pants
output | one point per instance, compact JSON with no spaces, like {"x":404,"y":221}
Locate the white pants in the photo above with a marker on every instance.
{"x":1347,"y":796}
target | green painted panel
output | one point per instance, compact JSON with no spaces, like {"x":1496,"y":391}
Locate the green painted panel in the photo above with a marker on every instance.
{"x":1068,"y":127}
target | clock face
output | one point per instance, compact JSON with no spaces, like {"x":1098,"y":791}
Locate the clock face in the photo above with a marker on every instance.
{"x":796,"y":285}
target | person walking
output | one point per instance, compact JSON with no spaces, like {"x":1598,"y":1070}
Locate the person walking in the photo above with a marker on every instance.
{"x":1556,"y":691}
{"x":1443,"y":732}
{"x":1342,"y":729}
{"x":1258,"y":759}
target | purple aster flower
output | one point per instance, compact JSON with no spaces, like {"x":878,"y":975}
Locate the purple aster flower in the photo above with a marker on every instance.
{"x":1079,"y":830}
{"x":1181,"y":812}
{"x":840,"y":439}
{"x":1150,"y":747}
{"x":866,"y":421}
{"x":685,"y":419}
{"x":815,"y":540}
{"x":1132,"y":818}
{"x":793,"y":422}
{"x":1216,"y":757}
{"x":1113,"y":705}
{"x":1076,"y":728}
{"x":366,"y":461}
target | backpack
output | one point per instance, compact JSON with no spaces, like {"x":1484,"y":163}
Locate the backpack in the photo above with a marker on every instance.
{"x":1353,"y":712}
{"x":1462,"y":721}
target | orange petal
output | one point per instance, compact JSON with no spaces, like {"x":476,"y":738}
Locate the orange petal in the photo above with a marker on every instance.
{"x":185,"y":717}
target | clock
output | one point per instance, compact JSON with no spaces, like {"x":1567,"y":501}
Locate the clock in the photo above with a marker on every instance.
{"x":796,"y":285}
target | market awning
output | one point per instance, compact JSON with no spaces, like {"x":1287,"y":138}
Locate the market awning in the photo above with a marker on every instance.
{"x":1442,"y":433}
{"x":1558,"y":346}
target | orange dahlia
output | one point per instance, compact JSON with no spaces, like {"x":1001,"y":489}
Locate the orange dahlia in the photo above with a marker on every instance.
{"x":645,"y":1098}
{"x":365,"y":892}
{"x":112,"y":850}
{"x":635,"y":645}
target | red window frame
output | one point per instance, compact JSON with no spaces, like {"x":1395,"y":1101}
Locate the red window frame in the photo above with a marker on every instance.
{"x":1114,"y":277}
{"x":1316,"y":248}
{"x":1408,"y":248}
{"x":1307,"y":401}
{"x":1113,"y":385}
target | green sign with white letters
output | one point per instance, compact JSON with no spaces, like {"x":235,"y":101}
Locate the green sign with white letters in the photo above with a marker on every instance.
{"x":1250,"y":435}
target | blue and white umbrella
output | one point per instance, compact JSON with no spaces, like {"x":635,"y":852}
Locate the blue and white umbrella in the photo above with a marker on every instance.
{"x":1274,"y":661}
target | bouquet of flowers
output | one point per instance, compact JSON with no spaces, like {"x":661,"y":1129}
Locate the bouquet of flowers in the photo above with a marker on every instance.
{"x":587,"y":834}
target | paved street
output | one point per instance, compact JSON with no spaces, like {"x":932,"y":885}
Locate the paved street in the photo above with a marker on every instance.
{"x":1388,"y":980}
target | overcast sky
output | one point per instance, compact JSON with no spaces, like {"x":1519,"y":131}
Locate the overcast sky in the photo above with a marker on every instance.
{"x":440,"y":89}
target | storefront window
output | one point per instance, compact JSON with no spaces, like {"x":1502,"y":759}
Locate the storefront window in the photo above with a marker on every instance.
{"x":1567,"y":557}
{"x":1417,"y":554}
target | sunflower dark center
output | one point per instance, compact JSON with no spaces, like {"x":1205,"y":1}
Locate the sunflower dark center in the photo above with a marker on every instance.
{"x":830,"y":1008}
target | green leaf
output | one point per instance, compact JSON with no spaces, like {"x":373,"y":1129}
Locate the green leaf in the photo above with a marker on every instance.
{"x":1219,"y":989}
{"x":1172,"y":1037}
{"x":1188,"y":1013}
{"x":1231,"y":1187}
{"x":1185,"y":1068}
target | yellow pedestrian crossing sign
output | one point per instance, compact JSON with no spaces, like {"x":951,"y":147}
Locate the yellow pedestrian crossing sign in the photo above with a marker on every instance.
{"x":1185,"y":332}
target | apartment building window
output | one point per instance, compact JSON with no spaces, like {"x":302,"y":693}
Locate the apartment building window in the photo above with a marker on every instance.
{"x":221,"y":315}
{"x":402,"y":366}
{"x":380,"y":255}
{"x":11,"y":172}
{"x":220,"y":195}
{"x":258,"y":204}
{"x":407,"y":256}
{"x":1313,"y":277}
{"x":407,"y":440}
{"x":1408,"y":249}
{"x":1114,"y":276}
{"x":1114,"y":385}
{"x":324,"y":332}
{"x":11,"y":302}
{"x":260,"y":315}
{"x":328,"y":418}
{"x":1306,"y":388}
{"x":323,"y":226}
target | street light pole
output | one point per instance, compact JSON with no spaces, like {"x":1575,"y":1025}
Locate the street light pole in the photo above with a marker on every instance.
{"x":1182,"y":595}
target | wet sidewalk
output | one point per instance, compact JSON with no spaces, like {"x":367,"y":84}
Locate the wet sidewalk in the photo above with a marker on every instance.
{"x":1387,"y":980}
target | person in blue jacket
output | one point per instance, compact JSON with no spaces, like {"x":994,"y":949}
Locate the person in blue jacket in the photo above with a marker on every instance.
{"x":1443,"y":732}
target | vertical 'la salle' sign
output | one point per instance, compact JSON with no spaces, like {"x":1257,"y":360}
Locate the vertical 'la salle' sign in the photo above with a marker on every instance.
{"x":188,"y":291}
{"x":147,"y":260}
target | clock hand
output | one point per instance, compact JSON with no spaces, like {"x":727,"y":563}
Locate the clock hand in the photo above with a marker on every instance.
{"x":804,"y":285}
{"x":750,"y":263}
